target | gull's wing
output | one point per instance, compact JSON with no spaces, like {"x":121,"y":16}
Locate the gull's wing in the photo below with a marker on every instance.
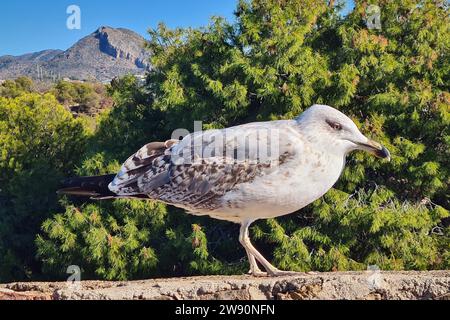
{"x":152,"y":158}
{"x":206,"y":164}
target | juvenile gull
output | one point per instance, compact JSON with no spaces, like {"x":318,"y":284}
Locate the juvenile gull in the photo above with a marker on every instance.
{"x":240,"y":174}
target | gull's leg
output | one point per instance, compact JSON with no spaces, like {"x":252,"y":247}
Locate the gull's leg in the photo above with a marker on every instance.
{"x":245,"y":242}
{"x":251,"y":251}
{"x":254,"y":269}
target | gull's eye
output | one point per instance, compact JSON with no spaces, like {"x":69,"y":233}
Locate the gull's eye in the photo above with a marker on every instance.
{"x":335,"y":125}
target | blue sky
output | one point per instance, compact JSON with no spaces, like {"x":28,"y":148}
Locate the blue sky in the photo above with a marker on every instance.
{"x":29,"y":26}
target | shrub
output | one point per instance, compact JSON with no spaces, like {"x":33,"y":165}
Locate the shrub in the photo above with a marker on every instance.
{"x":40,"y":143}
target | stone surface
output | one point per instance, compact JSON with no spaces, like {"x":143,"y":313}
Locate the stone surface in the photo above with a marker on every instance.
{"x":370,"y":285}
{"x":7,"y":294}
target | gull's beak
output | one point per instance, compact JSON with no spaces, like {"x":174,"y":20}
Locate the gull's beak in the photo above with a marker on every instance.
{"x":376,"y":148}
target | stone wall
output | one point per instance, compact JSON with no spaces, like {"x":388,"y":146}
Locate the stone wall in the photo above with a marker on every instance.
{"x":370,"y":285}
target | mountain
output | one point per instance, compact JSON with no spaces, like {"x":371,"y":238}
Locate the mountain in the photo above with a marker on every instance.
{"x":101,"y":56}
{"x":12,"y":67}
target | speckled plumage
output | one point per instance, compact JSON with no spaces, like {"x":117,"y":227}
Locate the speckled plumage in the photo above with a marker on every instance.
{"x":186,"y":174}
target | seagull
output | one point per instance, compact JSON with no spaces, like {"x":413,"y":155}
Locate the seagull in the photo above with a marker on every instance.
{"x":240,"y":174}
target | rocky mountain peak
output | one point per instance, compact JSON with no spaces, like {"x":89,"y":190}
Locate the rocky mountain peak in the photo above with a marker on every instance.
{"x":101,"y":56}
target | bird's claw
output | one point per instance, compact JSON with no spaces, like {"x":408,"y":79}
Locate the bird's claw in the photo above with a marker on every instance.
{"x":257,"y":273}
{"x":282,"y":273}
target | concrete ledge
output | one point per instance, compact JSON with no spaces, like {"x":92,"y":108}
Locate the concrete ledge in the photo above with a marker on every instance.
{"x":370,"y":285}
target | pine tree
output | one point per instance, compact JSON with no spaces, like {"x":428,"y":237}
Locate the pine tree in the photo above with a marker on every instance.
{"x":40,"y":143}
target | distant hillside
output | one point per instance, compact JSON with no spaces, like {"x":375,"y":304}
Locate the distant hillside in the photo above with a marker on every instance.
{"x":101,"y":56}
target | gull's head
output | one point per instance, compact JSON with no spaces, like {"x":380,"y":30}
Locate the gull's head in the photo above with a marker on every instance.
{"x":337,"y":132}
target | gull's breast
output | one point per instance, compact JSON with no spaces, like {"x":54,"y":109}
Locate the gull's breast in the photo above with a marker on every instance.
{"x":283,"y":191}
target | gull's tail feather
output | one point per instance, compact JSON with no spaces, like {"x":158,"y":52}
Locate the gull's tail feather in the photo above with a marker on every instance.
{"x":94,"y":187}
